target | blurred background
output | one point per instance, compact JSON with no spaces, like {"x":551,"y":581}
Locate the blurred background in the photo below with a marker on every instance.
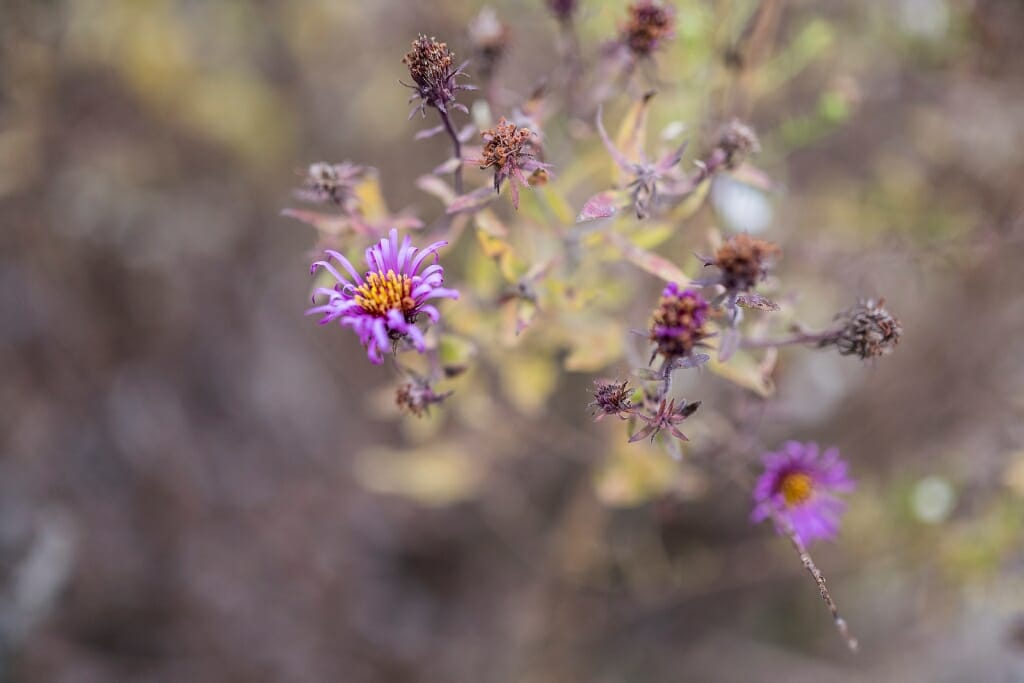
{"x":199,"y":484}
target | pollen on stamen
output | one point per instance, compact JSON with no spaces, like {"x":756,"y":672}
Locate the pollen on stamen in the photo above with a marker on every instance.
{"x":796,"y":488}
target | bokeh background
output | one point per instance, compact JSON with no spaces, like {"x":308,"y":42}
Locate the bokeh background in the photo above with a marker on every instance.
{"x":199,"y":484}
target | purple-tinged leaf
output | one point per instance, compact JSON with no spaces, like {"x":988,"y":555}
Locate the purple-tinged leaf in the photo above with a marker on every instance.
{"x":472,"y":201}
{"x":601,"y":205}
{"x":648,"y":261}
{"x":761,"y":303}
{"x":429,"y":132}
{"x":730,"y":341}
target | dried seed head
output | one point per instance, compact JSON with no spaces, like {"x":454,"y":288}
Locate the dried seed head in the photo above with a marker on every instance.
{"x":737,"y":141}
{"x":678,"y":321}
{"x":417,"y":396}
{"x":868,"y":331}
{"x":648,"y":25}
{"x":504,"y":144}
{"x":611,"y":398}
{"x":744,"y":261}
{"x":429,"y":61}
{"x":431,"y":67}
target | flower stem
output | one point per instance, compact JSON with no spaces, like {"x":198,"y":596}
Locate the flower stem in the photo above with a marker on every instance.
{"x":798,"y":338}
{"x":819,"y":579}
{"x":457,"y":148}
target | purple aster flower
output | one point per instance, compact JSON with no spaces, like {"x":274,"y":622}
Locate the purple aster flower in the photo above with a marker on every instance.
{"x":800,"y":487}
{"x":678,"y":322}
{"x":383,"y":306}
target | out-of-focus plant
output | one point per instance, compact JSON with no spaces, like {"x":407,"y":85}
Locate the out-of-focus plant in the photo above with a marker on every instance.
{"x":543,"y":280}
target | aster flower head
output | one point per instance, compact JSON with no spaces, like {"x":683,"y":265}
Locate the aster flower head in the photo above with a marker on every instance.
{"x":868,"y":331}
{"x":800,"y":486}
{"x":384,"y":304}
{"x":678,"y":322}
{"x":612,"y":398}
{"x":509,"y":150}
{"x":743,"y":262}
{"x":649,"y":24}
{"x":431,"y":68}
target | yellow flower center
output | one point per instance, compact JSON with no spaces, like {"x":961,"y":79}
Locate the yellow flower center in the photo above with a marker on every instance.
{"x":380,"y":294}
{"x":796,"y":488}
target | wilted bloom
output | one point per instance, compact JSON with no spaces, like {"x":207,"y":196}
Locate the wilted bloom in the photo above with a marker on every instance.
{"x":612,"y":398}
{"x":415,"y":397}
{"x":490,"y":38}
{"x":649,"y":180}
{"x":743,"y":262}
{"x":868,"y":331}
{"x":800,"y":487}
{"x":383,"y":305}
{"x":334,"y":183}
{"x":650,"y":23}
{"x":508,"y":149}
{"x":678,"y":322}
{"x":736,"y":141}
{"x":666,"y":417}
{"x":431,"y":68}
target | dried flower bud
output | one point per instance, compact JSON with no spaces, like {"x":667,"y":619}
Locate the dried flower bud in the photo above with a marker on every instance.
{"x":744,"y":262}
{"x":611,"y":398}
{"x":678,"y":321}
{"x":562,"y":9}
{"x":868,"y":331}
{"x":431,"y":68}
{"x":417,"y":396}
{"x":650,"y":23}
{"x":737,"y":141}
{"x":490,"y":38}
{"x":333,"y":183}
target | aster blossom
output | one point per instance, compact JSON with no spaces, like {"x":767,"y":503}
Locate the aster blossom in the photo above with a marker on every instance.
{"x":383,"y":305}
{"x":799,"y":487}
{"x":677,"y":325}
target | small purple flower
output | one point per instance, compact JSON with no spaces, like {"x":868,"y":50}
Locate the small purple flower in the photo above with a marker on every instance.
{"x":800,"y":487}
{"x":383,"y":305}
{"x":678,"y":322}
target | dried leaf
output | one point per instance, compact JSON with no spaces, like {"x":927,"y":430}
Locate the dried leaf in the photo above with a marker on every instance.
{"x":758,"y":301}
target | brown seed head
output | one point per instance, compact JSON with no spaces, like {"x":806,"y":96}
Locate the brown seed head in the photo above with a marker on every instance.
{"x":504,"y":144}
{"x":869,"y":331}
{"x":737,"y":141}
{"x":744,"y":261}
{"x":429,"y":62}
{"x":649,"y":23}
{"x":611,"y":398}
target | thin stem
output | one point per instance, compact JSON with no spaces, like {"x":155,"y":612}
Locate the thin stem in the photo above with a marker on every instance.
{"x":819,"y":579}
{"x":798,"y":338}
{"x":457,"y":147}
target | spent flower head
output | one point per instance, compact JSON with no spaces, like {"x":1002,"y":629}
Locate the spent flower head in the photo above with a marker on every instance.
{"x":649,"y":24}
{"x":800,"y":486}
{"x":509,"y":150}
{"x":736,"y":141}
{"x":677,"y":325}
{"x":432,"y":69}
{"x":384,"y":304}
{"x":868,"y":331}
{"x":416,"y":396}
{"x":743,"y":262}
{"x":612,"y":398}
{"x":331,"y":183}
{"x":666,"y":418}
